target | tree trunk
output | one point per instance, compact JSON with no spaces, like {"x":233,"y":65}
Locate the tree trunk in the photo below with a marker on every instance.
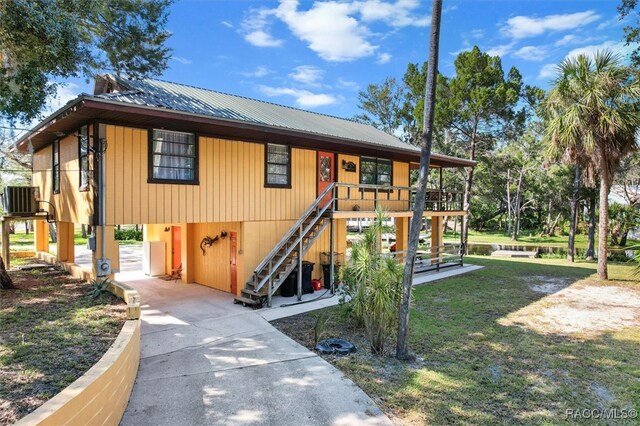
{"x":5,"y":280}
{"x":603,"y":225}
{"x":84,"y":230}
{"x":591,"y":235}
{"x":509,"y":204}
{"x":402,"y":348}
{"x":571,"y":253}
{"x":26,"y":227}
{"x":517,"y":208}
{"x":52,"y":233}
{"x":464,"y":229}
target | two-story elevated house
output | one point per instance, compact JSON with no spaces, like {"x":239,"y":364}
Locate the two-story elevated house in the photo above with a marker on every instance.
{"x":236,"y":188}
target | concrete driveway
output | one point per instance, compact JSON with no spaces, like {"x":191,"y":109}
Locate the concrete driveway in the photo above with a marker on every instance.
{"x":205,"y":360}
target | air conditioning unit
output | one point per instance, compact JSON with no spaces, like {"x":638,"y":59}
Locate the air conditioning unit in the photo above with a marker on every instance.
{"x":19,"y":201}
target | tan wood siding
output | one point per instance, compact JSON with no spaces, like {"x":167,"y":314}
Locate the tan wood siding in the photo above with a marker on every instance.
{"x":231,"y":184}
{"x":71,"y":204}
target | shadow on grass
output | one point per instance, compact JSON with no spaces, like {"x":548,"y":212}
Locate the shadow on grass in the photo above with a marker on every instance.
{"x":470,"y":369}
{"x":491,"y":373}
{"x":52,"y":332}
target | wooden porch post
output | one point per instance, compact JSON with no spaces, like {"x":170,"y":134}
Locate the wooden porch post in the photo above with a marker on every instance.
{"x":41,"y":235}
{"x":402,"y":233}
{"x":437,"y":239}
{"x":66,"y":249}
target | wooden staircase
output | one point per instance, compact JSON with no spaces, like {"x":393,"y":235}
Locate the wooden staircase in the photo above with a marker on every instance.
{"x":288,"y":253}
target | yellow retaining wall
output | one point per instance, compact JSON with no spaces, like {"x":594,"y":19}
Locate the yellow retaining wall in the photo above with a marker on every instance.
{"x":100,"y":396}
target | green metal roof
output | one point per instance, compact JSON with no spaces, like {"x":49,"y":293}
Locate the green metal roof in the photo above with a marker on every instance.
{"x":194,"y":100}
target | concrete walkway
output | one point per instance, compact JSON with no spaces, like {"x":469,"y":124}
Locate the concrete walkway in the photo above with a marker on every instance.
{"x":205,"y":360}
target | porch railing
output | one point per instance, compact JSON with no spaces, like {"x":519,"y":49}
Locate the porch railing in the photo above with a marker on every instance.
{"x":434,"y":258}
{"x":362,"y":197}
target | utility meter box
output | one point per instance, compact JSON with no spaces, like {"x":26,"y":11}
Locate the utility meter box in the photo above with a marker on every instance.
{"x":103,"y":267}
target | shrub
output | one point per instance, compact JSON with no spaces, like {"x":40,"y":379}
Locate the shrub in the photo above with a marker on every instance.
{"x":128,"y":234}
{"x":373,"y":283}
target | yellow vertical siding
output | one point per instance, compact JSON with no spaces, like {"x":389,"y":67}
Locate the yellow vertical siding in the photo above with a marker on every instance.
{"x":231,"y":184}
{"x":71,"y":204}
{"x":212,"y":269}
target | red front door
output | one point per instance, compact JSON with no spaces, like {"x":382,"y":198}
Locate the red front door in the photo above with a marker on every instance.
{"x":176,"y":250}
{"x":326,"y":172}
{"x":233,"y":239}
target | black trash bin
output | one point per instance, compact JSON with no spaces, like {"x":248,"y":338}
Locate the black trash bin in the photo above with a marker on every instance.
{"x":290,"y":285}
{"x":326,"y":274}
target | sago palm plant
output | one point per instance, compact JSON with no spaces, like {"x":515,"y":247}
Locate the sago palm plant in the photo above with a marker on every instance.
{"x":373,"y":282}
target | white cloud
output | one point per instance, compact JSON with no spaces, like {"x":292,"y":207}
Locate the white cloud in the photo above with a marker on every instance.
{"x":303,"y":98}
{"x":65,"y":93}
{"x":567,"y":39}
{"x":500,"y":50}
{"x":227,"y":24}
{"x":336,"y":31}
{"x":519,"y":27}
{"x":260,"y":71}
{"x":256,"y":29}
{"x":383,"y":58}
{"x":570,"y":39}
{"x":328,"y":29}
{"x":547,"y":72}
{"x":531,"y":53}
{"x":307,"y":74}
{"x":617,"y":47}
{"x":610,"y":23}
{"x":182,"y":60}
{"x":402,"y":13}
{"x":477,"y":33}
{"x":262,"y":39}
{"x":347,"y":84}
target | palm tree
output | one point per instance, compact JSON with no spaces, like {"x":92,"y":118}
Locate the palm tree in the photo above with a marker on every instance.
{"x":593,"y":117}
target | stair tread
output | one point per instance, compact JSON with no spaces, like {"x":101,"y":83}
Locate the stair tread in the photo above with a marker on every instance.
{"x":246,"y":300}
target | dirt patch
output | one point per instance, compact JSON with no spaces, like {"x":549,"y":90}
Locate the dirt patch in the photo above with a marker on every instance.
{"x":588,"y":310}
{"x":52,"y":332}
{"x":547,"y":285}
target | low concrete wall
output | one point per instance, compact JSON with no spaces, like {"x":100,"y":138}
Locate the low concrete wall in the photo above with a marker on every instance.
{"x":22,"y":254}
{"x":100,"y":396}
{"x":75,"y":270}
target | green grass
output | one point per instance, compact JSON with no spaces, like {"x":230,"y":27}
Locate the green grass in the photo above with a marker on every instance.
{"x":525,"y":238}
{"x":52,"y":332}
{"x":472,"y":368}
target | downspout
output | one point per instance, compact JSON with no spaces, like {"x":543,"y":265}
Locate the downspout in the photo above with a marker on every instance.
{"x":103,"y":188}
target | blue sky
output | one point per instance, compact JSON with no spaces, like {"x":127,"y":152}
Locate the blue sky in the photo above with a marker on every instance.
{"x":316,"y":55}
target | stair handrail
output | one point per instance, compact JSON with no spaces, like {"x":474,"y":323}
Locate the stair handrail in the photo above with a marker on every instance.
{"x":269,"y":257}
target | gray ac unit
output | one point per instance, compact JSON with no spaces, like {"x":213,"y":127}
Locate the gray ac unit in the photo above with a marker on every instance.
{"x":19,"y":201}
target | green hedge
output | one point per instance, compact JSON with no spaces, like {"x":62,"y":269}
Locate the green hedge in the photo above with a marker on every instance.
{"x":128,"y":234}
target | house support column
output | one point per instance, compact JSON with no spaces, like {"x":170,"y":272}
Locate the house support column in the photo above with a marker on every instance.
{"x":111,"y":249}
{"x":186,"y":254}
{"x":332,"y":271}
{"x":5,"y":243}
{"x":41,"y":235}
{"x":437,"y":239}
{"x":402,"y":234}
{"x":66,"y":249}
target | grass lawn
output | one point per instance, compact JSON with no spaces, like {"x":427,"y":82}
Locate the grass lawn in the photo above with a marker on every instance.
{"x":52,"y":332}
{"x":518,"y":342}
{"x":499,"y":237}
